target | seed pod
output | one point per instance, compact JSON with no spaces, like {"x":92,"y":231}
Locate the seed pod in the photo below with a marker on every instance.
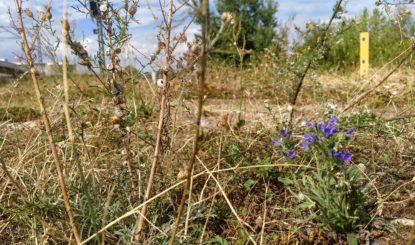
{"x":48,"y":15}
{"x":29,"y":13}
{"x":115,"y":120}
{"x":117,"y":50}
{"x":65,"y":25}
{"x":132,"y":10}
{"x":48,"y":8}
{"x":42,"y":16}
{"x":118,"y":112}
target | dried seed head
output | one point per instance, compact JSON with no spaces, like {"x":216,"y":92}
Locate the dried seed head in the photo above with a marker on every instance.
{"x":48,"y":8}
{"x":42,"y":16}
{"x":65,"y":25}
{"x":227,"y":17}
{"x":132,"y":10}
{"x":48,"y":15}
{"x":28,"y":13}
{"x":115,"y":120}
{"x":117,"y":51}
{"x":182,"y":174}
{"x":118,"y":112}
{"x":84,"y":62}
{"x":182,"y":37}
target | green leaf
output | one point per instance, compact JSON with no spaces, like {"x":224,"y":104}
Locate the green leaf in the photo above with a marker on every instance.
{"x":249,"y":184}
{"x":352,"y":239}
{"x":219,"y":240}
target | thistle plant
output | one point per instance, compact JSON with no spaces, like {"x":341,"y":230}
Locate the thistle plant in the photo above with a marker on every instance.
{"x":334,"y":191}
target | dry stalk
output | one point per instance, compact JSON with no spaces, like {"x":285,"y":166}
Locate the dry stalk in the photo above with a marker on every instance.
{"x":65,"y":30}
{"x":46,"y":122}
{"x":161,"y":122}
{"x":202,"y":79}
{"x":118,"y":100}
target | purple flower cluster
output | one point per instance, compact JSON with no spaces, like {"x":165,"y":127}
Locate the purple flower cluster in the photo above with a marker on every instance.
{"x":328,"y":132}
{"x":323,"y":137}
{"x":282,"y":142}
{"x":308,"y":139}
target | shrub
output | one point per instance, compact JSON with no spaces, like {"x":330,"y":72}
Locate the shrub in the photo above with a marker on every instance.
{"x":334,"y":188}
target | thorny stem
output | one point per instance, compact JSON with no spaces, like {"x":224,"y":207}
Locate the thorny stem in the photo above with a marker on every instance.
{"x":163,"y":107}
{"x":202,"y":79}
{"x":299,"y":85}
{"x":46,"y":123}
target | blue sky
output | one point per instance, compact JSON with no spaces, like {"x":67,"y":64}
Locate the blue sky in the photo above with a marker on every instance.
{"x":144,"y":33}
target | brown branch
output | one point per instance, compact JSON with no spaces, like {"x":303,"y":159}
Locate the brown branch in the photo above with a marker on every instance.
{"x":46,"y":122}
{"x":202,"y":79}
{"x":161,"y":122}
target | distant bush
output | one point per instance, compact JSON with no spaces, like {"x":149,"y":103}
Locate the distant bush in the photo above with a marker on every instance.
{"x":388,"y":38}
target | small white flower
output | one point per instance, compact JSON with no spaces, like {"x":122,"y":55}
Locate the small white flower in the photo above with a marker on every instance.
{"x":301,"y":196}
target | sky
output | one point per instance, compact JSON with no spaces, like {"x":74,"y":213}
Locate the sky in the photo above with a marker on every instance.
{"x":144,"y":33}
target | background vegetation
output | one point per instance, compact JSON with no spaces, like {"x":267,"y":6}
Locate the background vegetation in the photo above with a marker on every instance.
{"x":259,"y":133}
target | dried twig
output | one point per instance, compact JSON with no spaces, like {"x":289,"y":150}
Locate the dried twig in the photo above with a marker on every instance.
{"x":65,"y":30}
{"x":204,"y":16}
{"x":46,"y":122}
{"x":161,"y":123}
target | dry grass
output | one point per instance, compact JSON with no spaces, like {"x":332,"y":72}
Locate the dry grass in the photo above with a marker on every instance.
{"x":384,"y":145}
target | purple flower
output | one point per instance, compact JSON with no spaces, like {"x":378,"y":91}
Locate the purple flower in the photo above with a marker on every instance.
{"x":309,"y":124}
{"x":350,"y":132}
{"x":333,"y":120}
{"x":346,"y":157}
{"x":328,"y":129}
{"x":291,"y":154}
{"x":286,"y":133}
{"x":310,"y":138}
{"x":276,"y":140}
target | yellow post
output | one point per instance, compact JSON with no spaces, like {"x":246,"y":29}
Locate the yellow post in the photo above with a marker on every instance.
{"x":364,"y":53}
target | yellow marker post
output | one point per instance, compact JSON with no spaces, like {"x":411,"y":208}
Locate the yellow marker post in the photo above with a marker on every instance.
{"x":364,"y":53}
